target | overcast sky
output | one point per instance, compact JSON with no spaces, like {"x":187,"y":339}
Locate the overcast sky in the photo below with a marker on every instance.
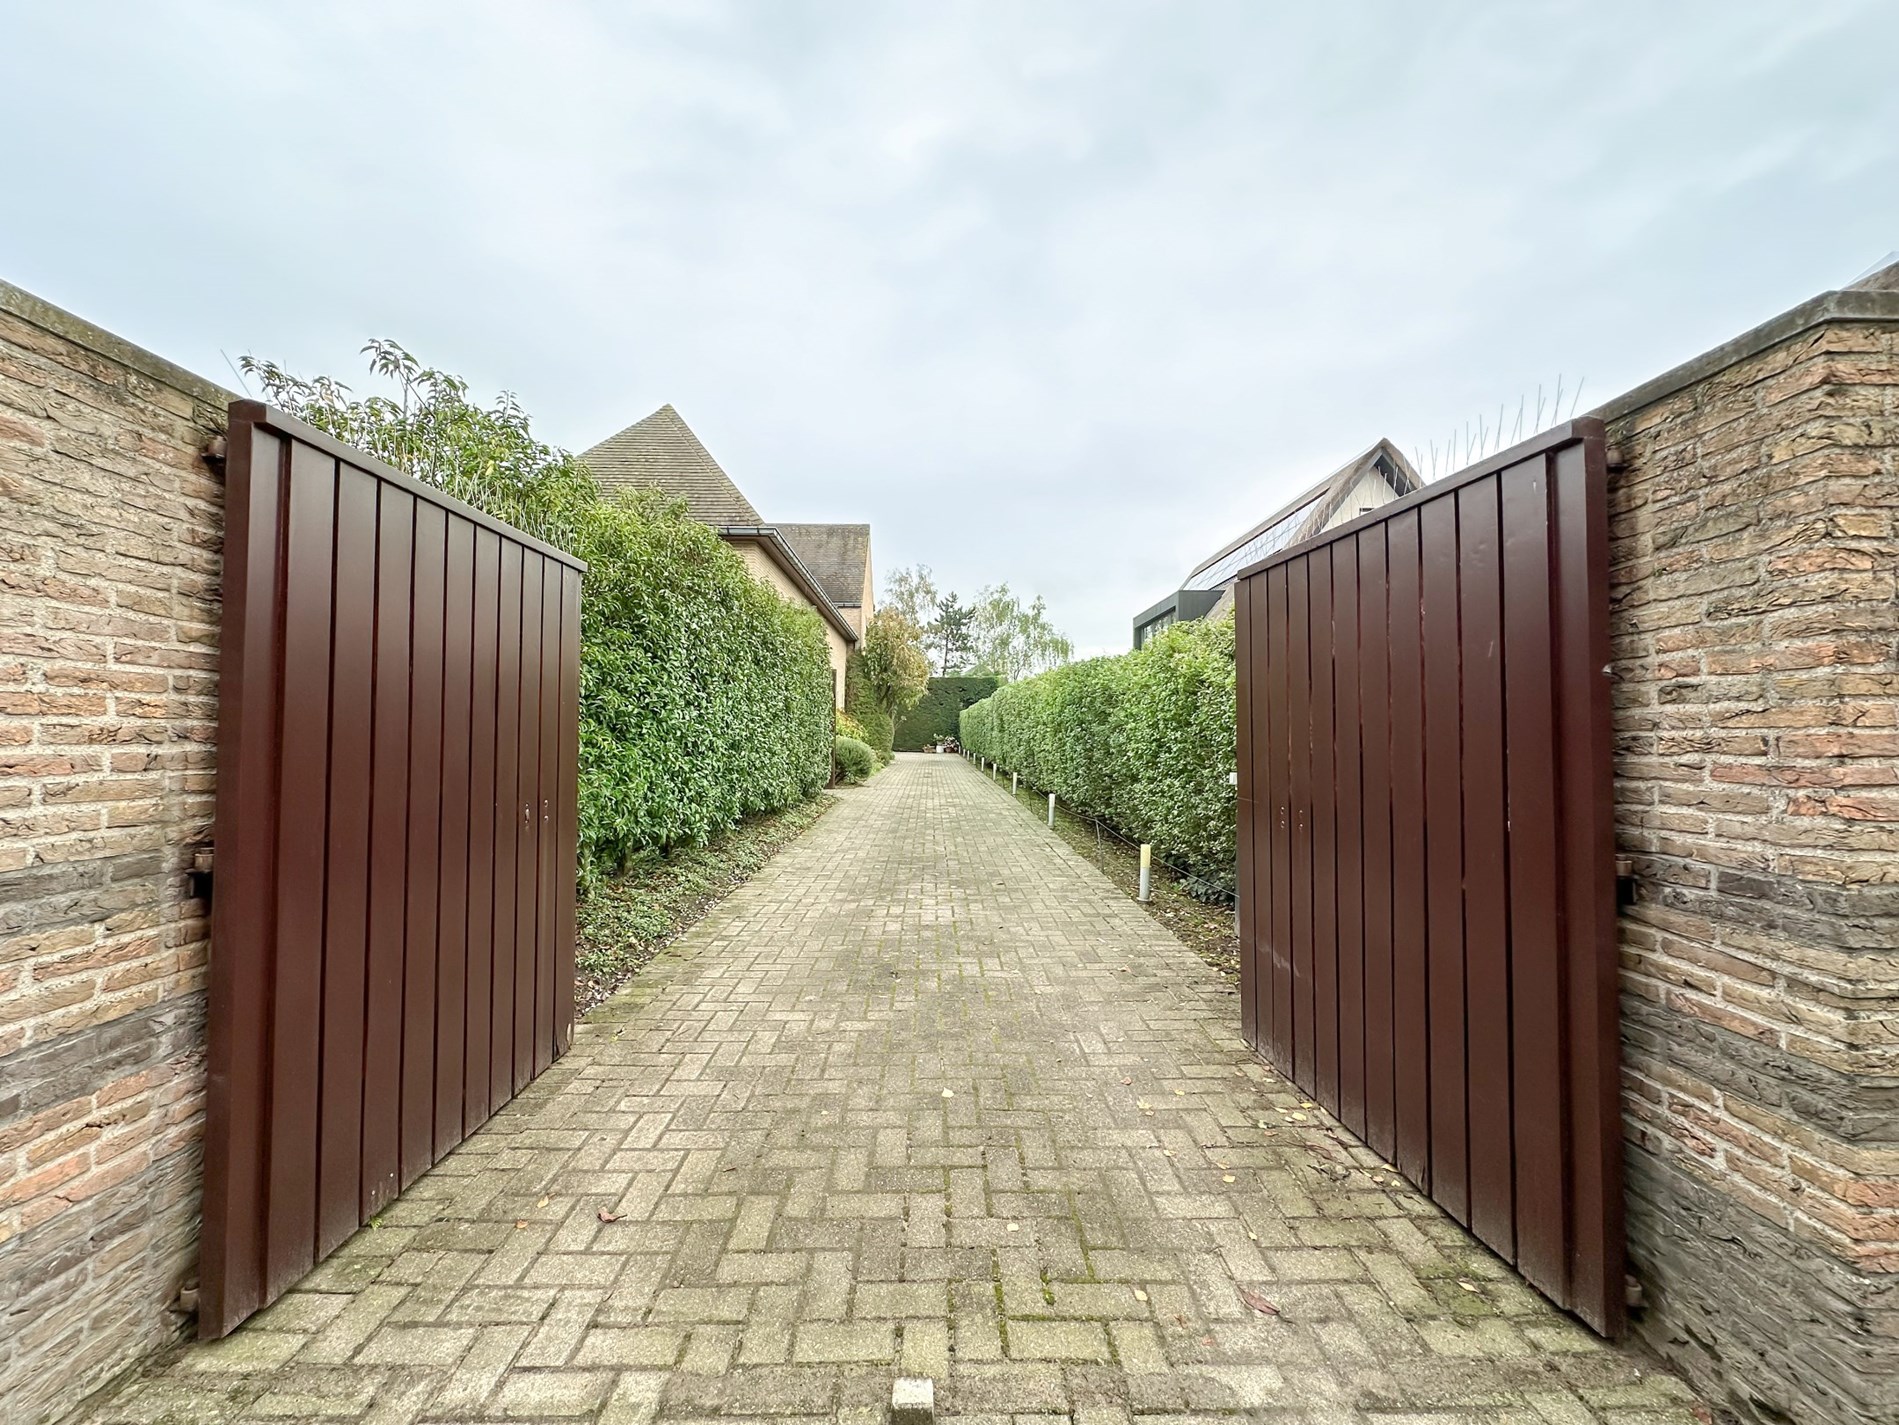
{"x":1063,"y":294}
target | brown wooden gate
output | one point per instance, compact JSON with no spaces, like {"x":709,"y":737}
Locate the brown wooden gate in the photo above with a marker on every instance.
{"x":1426,"y":857}
{"x":392,"y":927}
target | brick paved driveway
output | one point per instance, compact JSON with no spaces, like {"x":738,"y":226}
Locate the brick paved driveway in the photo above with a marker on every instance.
{"x":926,"y":1096}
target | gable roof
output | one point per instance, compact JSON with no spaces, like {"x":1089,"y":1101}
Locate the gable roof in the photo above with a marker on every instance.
{"x":1307,"y":513}
{"x":837,"y":556}
{"x":662,"y":452}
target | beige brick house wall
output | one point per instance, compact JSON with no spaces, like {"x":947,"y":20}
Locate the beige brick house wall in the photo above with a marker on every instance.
{"x":765,"y":569}
{"x":1755,"y":543}
{"x":109,"y":536}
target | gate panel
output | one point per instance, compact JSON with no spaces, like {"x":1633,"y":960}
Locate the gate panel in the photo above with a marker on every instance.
{"x":373,"y":668}
{"x":1427,"y":789}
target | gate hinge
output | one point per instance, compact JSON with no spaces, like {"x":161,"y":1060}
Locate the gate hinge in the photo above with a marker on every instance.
{"x":1624,"y":881}
{"x":199,"y":874}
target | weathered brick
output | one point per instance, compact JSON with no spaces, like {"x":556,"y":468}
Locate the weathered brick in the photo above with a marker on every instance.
{"x":1752,"y":624}
{"x":102,"y":951}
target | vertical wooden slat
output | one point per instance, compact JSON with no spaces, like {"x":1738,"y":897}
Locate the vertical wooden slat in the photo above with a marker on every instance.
{"x":1535,"y":809}
{"x":1244,"y":594}
{"x":527,"y":824}
{"x":1588,"y":861}
{"x":547,"y":901}
{"x":1325,"y":950}
{"x":243,"y":911}
{"x":1259,"y":951}
{"x":1279,"y":683}
{"x":506,"y":821}
{"x":420,"y":945}
{"x":346,"y":893}
{"x":1348,"y":839}
{"x":568,"y":812}
{"x":484,"y":929}
{"x":1375,"y":836}
{"x":381,"y":1088}
{"x":297,"y":1006}
{"x":456,"y":912}
{"x":1299,"y":720}
{"x":1444,"y":857}
{"x":1486,"y":868}
{"x":1410,"y":993}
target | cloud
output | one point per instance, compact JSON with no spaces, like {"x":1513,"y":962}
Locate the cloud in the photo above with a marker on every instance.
{"x":1062,"y":294}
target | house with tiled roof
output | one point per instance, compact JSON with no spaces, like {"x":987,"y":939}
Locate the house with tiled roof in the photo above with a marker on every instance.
{"x":839,"y":555}
{"x":1373,"y":478}
{"x":823,"y":567}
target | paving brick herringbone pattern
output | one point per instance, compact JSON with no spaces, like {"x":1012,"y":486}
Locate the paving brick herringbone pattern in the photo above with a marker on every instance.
{"x":927,"y":1096}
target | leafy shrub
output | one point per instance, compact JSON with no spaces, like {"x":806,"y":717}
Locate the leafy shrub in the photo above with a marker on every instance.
{"x":1145,"y":741}
{"x":848,"y":726}
{"x":704,"y":697}
{"x":857,"y":761}
{"x":935,"y":715}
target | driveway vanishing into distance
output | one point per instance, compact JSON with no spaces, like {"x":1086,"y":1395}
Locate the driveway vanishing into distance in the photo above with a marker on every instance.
{"x":928,"y":1096}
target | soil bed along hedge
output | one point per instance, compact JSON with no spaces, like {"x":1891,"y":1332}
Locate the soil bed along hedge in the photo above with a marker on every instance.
{"x":624,"y":922}
{"x":1143,"y":740}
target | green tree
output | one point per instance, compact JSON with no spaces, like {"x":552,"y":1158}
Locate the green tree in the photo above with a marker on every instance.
{"x":953,"y":633}
{"x":486,"y":456}
{"x":1013,"y":639}
{"x":895,"y":668}
{"x":912,"y":593}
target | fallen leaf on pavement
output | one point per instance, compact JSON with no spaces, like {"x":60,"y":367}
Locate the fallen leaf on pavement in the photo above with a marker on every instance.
{"x":1258,"y":1302}
{"x":606,"y":1216}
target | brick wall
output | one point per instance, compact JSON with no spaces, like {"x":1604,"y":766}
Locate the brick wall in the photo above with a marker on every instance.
{"x":1756,"y":635}
{"x":109,"y":536}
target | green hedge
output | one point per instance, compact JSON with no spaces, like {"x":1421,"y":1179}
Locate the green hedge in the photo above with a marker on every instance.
{"x":704,"y":697}
{"x":940,"y":709}
{"x":1143,"y":740}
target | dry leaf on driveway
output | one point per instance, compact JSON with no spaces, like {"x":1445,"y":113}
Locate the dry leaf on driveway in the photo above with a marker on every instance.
{"x":1258,"y":1302}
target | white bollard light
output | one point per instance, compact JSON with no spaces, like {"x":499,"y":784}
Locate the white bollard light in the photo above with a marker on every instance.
{"x":1051,"y":811}
{"x":1014,"y":782}
{"x":1147,"y":872}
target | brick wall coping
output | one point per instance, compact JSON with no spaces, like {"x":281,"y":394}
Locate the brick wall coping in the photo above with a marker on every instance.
{"x":1845,"y":305}
{"x":18,"y":302}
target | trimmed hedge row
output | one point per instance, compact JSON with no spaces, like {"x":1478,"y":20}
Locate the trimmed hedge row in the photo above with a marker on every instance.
{"x":940,"y":709}
{"x":1143,"y":740}
{"x":704,"y":697}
